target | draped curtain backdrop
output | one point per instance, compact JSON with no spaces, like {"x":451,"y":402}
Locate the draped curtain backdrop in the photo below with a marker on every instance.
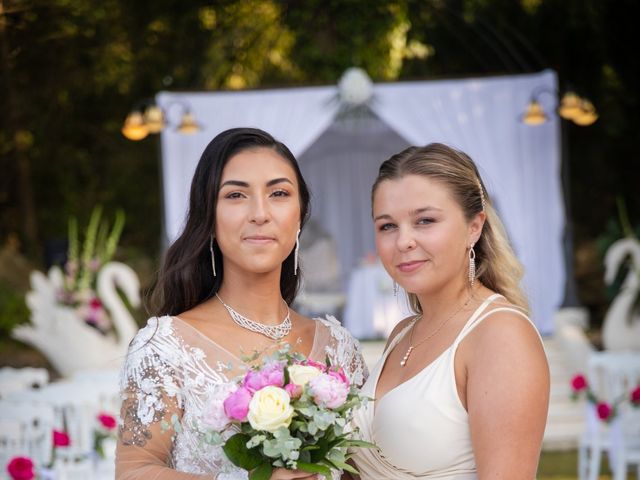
{"x":520,"y":164}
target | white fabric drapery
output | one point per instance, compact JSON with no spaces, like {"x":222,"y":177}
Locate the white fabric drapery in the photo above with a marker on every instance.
{"x":520,"y":164}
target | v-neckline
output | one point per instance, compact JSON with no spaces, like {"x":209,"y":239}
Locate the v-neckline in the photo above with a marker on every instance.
{"x":217,"y":345}
{"x":477,"y":312}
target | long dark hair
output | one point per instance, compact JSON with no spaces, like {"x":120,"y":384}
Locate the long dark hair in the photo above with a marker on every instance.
{"x":186,"y":278}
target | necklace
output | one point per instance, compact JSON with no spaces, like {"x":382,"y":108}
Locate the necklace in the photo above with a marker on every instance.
{"x":274,"y":332}
{"x":412,"y":347}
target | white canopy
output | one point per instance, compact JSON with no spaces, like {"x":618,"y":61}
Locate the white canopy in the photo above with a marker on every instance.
{"x":520,"y":164}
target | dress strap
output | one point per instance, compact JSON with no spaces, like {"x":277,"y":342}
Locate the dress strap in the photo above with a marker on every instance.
{"x":473,"y":324}
{"x":479,"y":311}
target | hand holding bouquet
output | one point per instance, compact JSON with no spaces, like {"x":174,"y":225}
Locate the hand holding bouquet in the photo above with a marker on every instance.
{"x":291,"y":412}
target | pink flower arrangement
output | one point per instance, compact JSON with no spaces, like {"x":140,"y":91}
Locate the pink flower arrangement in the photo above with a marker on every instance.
{"x":579,"y":383}
{"x":289,"y":411}
{"x":605,"y":411}
{"x":107,"y":421}
{"x":21,"y":468}
{"x":634,"y":397}
{"x":61,"y":439}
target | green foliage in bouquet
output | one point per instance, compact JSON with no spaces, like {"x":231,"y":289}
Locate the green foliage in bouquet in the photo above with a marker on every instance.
{"x":305,"y":422}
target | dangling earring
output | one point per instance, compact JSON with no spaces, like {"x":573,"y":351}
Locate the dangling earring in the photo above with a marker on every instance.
{"x":213,"y":259}
{"x":295,"y":255}
{"x":395,"y":289}
{"x":472,"y":266}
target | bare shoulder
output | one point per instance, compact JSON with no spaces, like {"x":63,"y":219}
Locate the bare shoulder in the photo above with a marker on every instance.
{"x":506,"y":333}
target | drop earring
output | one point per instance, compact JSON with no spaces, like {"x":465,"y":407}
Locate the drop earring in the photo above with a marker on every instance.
{"x":213,"y":259}
{"x":472,"y":266}
{"x":395,"y":289}
{"x":295,"y":255}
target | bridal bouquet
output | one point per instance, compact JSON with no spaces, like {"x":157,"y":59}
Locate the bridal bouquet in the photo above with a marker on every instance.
{"x":291,"y":412}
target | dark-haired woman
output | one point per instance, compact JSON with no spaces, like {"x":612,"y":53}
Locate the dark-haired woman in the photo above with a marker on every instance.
{"x":224,"y":291}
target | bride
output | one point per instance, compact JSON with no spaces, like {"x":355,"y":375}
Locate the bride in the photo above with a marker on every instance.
{"x":462,"y":389}
{"x":224,"y":292}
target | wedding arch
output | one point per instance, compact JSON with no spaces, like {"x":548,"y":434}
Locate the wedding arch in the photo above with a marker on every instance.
{"x":481,"y":116}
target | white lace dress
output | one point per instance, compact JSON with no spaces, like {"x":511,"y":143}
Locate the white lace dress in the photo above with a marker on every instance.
{"x":172,"y":371}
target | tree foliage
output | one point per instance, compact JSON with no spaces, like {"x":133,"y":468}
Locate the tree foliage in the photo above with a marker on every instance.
{"x":72,"y":69}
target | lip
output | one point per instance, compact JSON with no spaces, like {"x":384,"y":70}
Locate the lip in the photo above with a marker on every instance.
{"x":259,"y":239}
{"x":408,"y":267}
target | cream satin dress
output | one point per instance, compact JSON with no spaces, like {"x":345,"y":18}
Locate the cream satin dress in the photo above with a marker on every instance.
{"x":421,"y":426}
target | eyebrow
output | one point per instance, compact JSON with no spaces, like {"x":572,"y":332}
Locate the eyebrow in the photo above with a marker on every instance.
{"x":270,"y":183}
{"x":415,"y":212}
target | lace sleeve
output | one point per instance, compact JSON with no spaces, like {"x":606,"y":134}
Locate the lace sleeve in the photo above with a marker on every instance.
{"x":344,"y":350}
{"x":151,"y":400}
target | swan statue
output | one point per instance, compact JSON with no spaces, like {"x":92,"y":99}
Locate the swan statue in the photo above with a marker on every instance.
{"x":621,"y":328}
{"x":65,"y":338}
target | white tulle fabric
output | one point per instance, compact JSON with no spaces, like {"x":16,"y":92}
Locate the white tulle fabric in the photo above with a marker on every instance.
{"x":173,"y":370}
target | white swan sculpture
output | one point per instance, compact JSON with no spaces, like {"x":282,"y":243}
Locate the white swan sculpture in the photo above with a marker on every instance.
{"x":619,"y":331}
{"x":64,"y":338}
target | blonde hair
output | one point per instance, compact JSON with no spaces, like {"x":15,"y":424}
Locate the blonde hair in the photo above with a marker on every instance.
{"x":496,"y":264}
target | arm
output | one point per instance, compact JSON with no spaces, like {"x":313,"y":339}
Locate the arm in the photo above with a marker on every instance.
{"x":507,"y":396}
{"x":150,"y":386}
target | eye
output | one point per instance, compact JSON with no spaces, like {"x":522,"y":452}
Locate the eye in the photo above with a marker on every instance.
{"x":280,"y":193}
{"x":386,"y":227}
{"x":234,"y":195}
{"x":425,"y":221}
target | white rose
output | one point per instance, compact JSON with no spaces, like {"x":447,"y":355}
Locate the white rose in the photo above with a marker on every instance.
{"x":269,"y":409}
{"x":301,"y":374}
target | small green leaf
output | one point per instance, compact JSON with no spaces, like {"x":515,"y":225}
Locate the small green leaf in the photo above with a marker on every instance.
{"x":236,"y":450}
{"x":315,"y":468}
{"x":344,"y":466}
{"x":359,"y":443}
{"x":263,"y":472}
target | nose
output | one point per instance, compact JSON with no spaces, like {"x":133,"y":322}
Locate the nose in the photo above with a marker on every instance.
{"x":259,"y":211}
{"x":405,"y":240}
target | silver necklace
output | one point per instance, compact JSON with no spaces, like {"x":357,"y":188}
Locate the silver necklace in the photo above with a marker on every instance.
{"x":274,"y":332}
{"x":412,"y":347}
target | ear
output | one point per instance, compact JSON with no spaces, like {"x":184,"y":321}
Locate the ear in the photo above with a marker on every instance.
{"x":475,"y":227}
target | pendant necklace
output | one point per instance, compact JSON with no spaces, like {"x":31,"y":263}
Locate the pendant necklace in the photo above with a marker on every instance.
{"x":412,"y":347}
{"x":274,"y":332}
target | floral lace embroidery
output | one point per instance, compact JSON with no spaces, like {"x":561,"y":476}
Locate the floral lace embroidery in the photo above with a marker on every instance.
{"x":163,"y":376}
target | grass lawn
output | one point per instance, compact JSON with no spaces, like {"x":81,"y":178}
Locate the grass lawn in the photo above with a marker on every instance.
{"x":564,"y":466}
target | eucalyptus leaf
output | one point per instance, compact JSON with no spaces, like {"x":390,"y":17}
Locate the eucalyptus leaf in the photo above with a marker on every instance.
{"x":315,"y":468}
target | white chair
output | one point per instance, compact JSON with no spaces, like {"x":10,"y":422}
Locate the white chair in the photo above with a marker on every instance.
{"x":16,"y":379}
{"x":611,"y":376}
{"x":75,"y":406}
{"x":25,"y":430}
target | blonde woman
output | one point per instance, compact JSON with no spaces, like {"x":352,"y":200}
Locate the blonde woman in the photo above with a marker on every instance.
{"x":462,"y":389}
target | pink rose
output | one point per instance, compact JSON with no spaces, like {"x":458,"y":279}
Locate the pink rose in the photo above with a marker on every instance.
{"x":236,"y":406}
{"x":579,"y":383}
{"x":21,"y":468}
{"x":293,"y":390}
{"x":61,"y":439}
{"x":270,"y":375}
{"x":214,"y":414}
{"x":107,"y":421}
{"x":635,"y":396}
{"x":604,"y":411}
{"x":339,"y":374}
{"x":328,"y":390}
{"x":311,"y":363}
